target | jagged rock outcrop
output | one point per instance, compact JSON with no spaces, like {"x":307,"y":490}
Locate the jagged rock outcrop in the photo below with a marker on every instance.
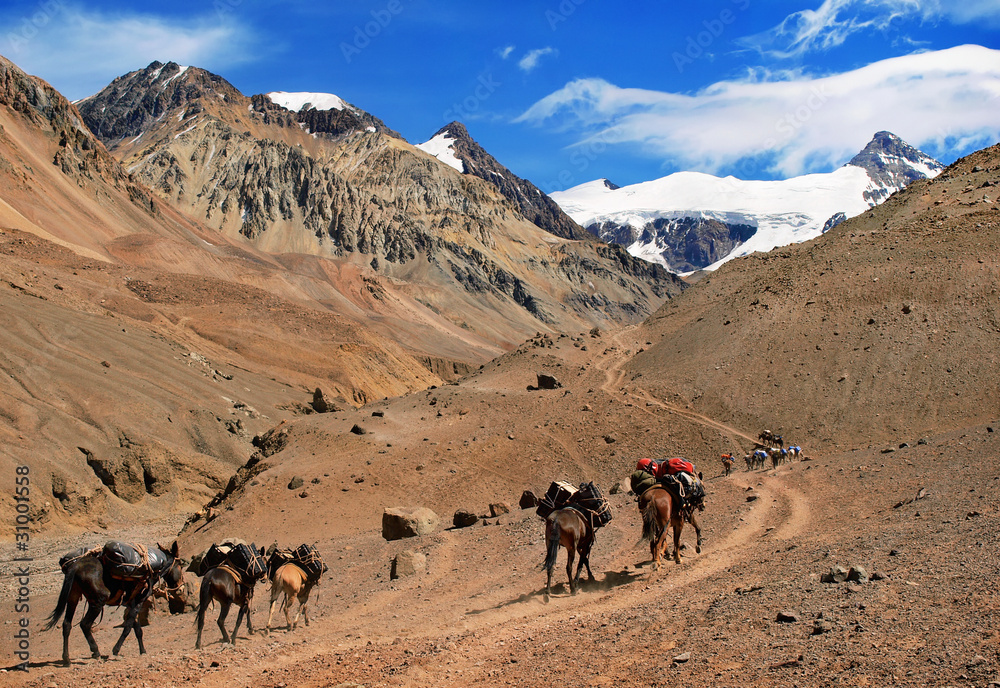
{"x":685,"y":243}
{"x":892,"y":164}
{"x":531,"y":202}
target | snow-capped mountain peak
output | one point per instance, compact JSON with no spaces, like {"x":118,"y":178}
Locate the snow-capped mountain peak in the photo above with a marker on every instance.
{"x":690,"y":220}
{"x":441,"y":146}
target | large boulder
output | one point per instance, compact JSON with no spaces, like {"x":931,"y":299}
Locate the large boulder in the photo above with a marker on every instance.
{"x":408,"y":563}
{"x":548,"y":382}
{"x":406,"y":522}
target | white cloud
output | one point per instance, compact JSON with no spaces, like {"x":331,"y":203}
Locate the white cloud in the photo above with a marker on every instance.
{"x":795,"y":123}
{"x":80,"y":51}
{"x":505,"y":51}
{"x":530,"y":60}
{"x":835,"y":20}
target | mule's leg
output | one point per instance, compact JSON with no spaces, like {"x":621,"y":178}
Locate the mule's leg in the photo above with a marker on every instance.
{"x":275,"y":593}
{"x":249,"y":616}
{"x":87,"y":626}
{"x":570,"y":556}
{"x":223,"y":612}
{"x":298,"y":612}
{"x":71,"y":602}
{"x":678,"y":526}
{"x":239,"y":618}
{"x":131,"y":617}
{"x":289,"y":599}
{"x":304,"y":604}
{"x":697,"y":532}
{"x":137,"y":628}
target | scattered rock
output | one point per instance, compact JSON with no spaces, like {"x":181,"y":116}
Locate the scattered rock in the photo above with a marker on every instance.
{"x":358,"y":430}
{"x":837,"y":574}
{"x":295,"y":483}
{"x":888,"y":450}
{"x":787,"y":617}
{"x":858,"y":574}
{"x":820,"y":626}
{"x":408,"y":563}
{"x":105,"y":364}
{"x":406,"y":522}
{"x":378,"y":414}
{"x":499,"y":509}
{"x":528,"y":500}
{"x":547,"y":382}
{"x":610,"y":439}
{"x":682,"y":658}
{"x":464,"y":518}
{"x":751,"y":498}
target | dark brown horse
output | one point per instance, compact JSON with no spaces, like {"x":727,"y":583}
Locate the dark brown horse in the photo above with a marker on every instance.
{"x":86,"y":576}
{"x":661,"y":508}
{"x":228,"y":587}
{"x":567,"y":528}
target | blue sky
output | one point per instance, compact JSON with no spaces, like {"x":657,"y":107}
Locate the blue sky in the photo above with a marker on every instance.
{"x":567,"y":91}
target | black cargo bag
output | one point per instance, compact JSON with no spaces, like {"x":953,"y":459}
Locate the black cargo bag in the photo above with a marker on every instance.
{"x":590,"y":497}
{"x":248,"y":562}
{"x":308,"y":558}
{"x":122,"y":560}
{"x":556,"y":497}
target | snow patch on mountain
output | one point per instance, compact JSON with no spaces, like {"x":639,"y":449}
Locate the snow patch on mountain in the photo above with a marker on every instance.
{"x":307,"y":101}
{"x":441,"y":147}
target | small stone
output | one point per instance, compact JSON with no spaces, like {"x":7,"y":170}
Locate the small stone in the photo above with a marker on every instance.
{"x":837,"y":574}
{"x":105,"y":364}
{"x":408,"y":563}
{"x":681,"y":658}
{"x":610,"y":439}
{"x":820,"y":626}
{"x":358,"y":430}
{"x":464,"y":518}
{"x":751,"y":498}
{"x":888,"y":450}
{"x":528,"y":500}
{"x":295,"y":483}
{"x":787,"y":617}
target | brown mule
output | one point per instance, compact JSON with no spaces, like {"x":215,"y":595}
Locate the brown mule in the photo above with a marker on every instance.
{"x":225,"y":585}
{"x":292,"y":582}
{"x":567,"y":528}
{"x":86,"y":577}
{"x":661,"y":508}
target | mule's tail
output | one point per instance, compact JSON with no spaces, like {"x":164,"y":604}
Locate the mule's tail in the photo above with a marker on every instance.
{"x":651,"y":527}
{"x":68,"y":581}
{"x":552,"y":546}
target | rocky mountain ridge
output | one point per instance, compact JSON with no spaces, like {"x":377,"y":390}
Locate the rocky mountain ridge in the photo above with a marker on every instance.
{"x":364,"y":195}
{"x":532,"y":203}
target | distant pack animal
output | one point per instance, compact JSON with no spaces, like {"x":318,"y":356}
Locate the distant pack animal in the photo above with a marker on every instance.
{"x":793,"y":452}
{"x":759,"y":457}
{"x":567,"y":528}
{"x":229,"y":585}
{"x":727,"y":463}
{"x":100,"y":576}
